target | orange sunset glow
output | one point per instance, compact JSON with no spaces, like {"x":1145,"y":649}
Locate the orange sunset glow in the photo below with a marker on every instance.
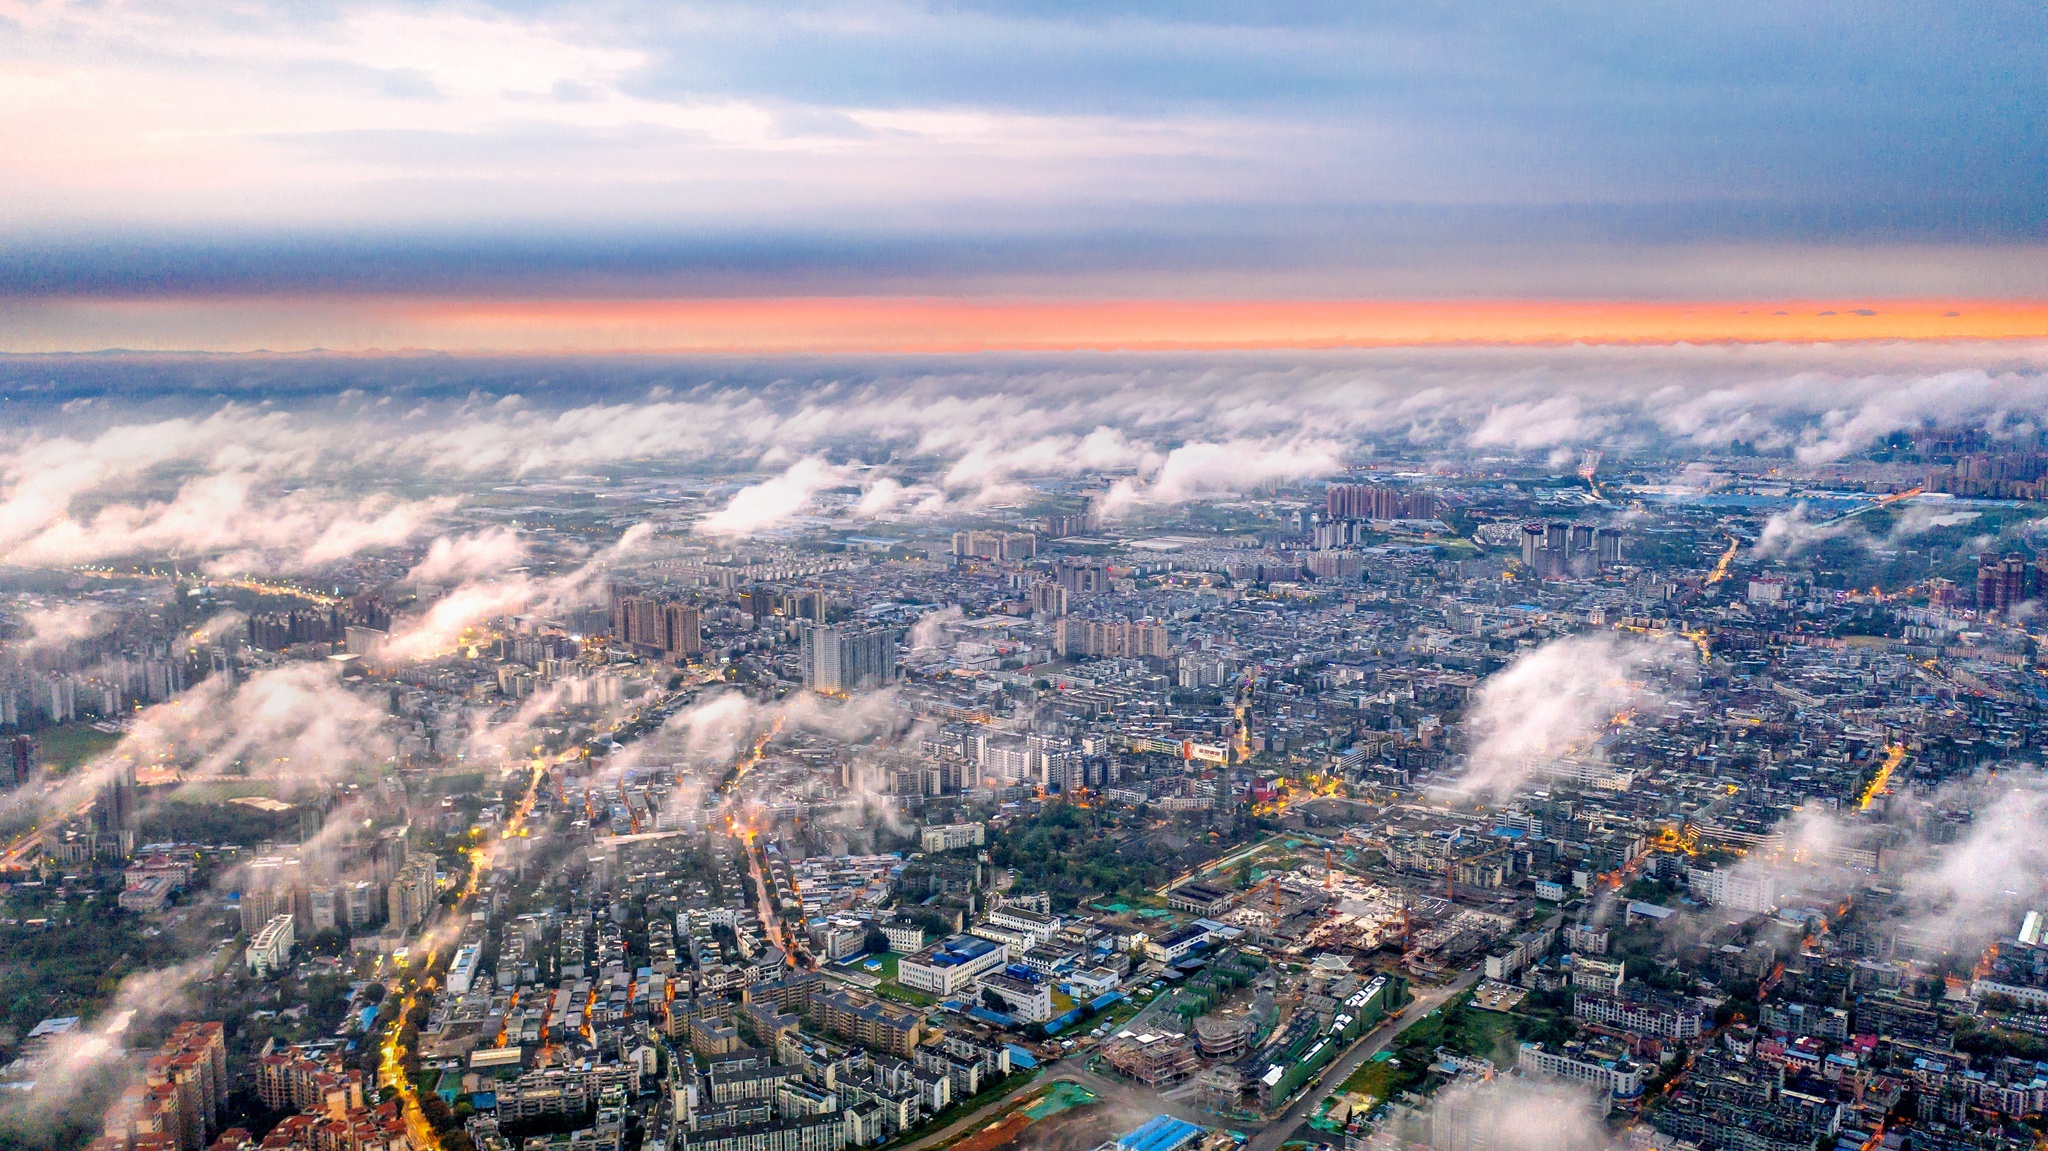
{"x":958,"y":325}
{"x":944,"y":326}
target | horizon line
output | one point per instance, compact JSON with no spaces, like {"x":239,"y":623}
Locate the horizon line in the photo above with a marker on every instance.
{"x":937,"y":325}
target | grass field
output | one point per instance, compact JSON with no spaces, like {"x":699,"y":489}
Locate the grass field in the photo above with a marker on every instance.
{"x":222,"y":790}
{"x":889,"y":988}
{"x":68,"y":746}
{"x":1383,"y":1080}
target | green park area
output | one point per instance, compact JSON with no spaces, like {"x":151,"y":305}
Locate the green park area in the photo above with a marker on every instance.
{"x":67,"y":746}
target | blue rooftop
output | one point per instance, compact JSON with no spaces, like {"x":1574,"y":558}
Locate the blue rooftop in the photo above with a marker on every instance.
{"x":1160,"y":1133}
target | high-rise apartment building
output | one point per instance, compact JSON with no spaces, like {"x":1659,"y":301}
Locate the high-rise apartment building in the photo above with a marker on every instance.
{"x":1560,"y":549}
{"x":1049,"y":599}
{"x":1378,"y":502}
{"x":412,"y":893}
{"x":1062,"y":526}
{"x":837,"y":660}
{"x":114,"y":812}
{"x":1002,"y":546}
{"x":1082,"y":577}
{"x":682,"y":629}
{"x":19,"y":756}
{"x":2009,"y":581}
{"x":1113,"y":639}
{"x":655,"y":627}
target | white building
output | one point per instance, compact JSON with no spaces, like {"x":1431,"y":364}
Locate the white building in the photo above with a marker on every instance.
{"x":1729,"y":887}
{"x":904,"y":938}
{"x":951,"y":965}
{"x":272,"y":947}
{"x":1039,"y":926}
{"x":1025,"y":1000}
{"x":1618,"y":1077}
{"x":954,"y":836}
{"x":1598,"y":975}
{"x":462,"y":969}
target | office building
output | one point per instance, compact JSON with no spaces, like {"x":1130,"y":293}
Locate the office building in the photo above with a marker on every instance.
{"x":949,"y":966}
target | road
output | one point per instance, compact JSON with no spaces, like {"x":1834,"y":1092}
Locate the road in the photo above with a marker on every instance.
{"x":1074,"y":1069}
{"x":1281,"y":1129}
{"x":391,"y":1070}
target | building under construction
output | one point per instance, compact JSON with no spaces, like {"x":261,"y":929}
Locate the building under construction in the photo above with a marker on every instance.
{"x":1155,"y":1059}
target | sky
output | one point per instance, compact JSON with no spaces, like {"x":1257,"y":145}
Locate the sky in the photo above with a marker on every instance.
{"x":357,"y":175}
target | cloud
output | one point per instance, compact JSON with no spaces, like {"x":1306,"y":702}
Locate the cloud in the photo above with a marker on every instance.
{"x":1976,"y":888}
{"x":234,"y":504}
{"x":464,"y":558}
{"x":929,"y":633}
{"x":775,"y":501}
{"x":304,"y":484}
{"x":1511,"y":1114}
{"x":1549,"y":422}
{"x":1788,"y":533}
{"x":880,"y":498}
{"x":139,"y":1001}
{"x":59,"y":626}
{"x":1555,"y":700}
{"x":297,"y":726}
{"x":1962,"y":886}
{"x":437,"y":630}
{"x":1202,"y":468}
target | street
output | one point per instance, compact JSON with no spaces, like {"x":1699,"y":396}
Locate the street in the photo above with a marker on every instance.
{"x":1281,"y":1129}
{"x":1268,"y":1137}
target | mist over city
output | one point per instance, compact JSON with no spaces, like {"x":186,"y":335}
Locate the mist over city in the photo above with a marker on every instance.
{"x":1022,"y":577}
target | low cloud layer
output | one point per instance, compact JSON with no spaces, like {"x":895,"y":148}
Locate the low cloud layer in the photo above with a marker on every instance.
{"x":1556,"y":700}
{"x":300,"y":479}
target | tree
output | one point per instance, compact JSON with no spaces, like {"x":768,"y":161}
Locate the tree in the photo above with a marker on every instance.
{"x":435,"y":1111}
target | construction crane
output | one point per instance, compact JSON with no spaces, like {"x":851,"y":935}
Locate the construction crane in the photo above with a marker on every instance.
{"x":1272,"y":881}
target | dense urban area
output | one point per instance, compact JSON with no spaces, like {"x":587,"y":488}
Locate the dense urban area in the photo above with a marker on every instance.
{"x":1667,"y":799}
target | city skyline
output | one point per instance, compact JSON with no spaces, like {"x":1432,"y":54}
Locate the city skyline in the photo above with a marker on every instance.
{"x":898,"y":576}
